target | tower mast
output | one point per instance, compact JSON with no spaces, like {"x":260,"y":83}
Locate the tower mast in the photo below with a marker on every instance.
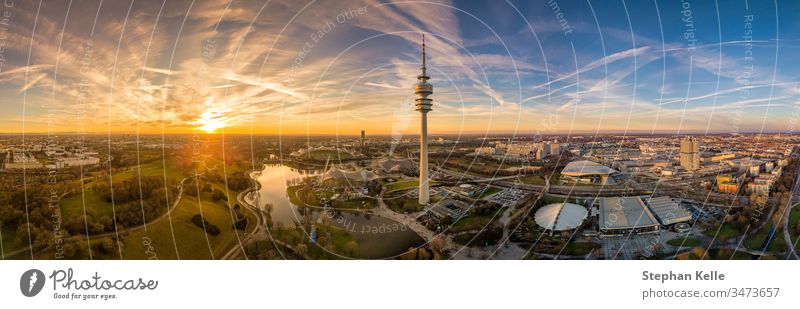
{"x":423,"y":104}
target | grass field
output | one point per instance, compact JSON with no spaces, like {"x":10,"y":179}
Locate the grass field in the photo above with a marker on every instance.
{"x":538,"y":179}
{"x":153,"y":168}
{"x":794,"y":220}
{"x":727,"y":231}
{"x":192,"y":242}
{"x":489,"y":192}
{"x":475,"y":222}
{"x":190,"y":239}
{"x":402,"y":185}
{"x":718,"y":254}
{"x":405,"y":184}
{"x":300,"y":197}
{"x":755,"y":241}
{"x":580,"y":248}
{"x":73,"y":206}
{"x":357,"y":203}
{"x":403,"y":203}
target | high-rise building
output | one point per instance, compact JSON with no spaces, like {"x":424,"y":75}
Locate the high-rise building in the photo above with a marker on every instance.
{"x":423,"y":105}
{"x":555,"y":149}
{"x":690,"y":153}
{"x":363,"y":138}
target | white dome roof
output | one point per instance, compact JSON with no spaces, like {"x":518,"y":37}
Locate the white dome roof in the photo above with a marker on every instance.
{"x":561,"y":216}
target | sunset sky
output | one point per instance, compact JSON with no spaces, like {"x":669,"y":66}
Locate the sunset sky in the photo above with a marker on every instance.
{"x":335,"y":67}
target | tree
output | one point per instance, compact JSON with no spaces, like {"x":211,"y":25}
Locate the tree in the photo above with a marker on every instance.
{"x":301,"y":249}
{"x":74,"y":248}
{"x":351,"y":248}
{"x":698,"y":253}
{"x":218,"y":195}
{"x":108,"y":245}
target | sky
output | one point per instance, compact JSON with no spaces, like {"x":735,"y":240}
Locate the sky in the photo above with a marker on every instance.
{"x":337,"y":67}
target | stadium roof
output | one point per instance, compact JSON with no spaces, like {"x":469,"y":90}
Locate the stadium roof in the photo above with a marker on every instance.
{"x":354,"y":176}
{"x":624,"y":213}
{"x":390,"y":165}
{"x":586,"y":168}
{"x":561,"y":216}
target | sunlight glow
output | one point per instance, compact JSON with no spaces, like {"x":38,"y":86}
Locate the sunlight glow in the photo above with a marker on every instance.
{"x":210,"y":121}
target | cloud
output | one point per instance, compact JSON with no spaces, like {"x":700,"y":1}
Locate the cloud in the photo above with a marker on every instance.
{"x":382,"y":85}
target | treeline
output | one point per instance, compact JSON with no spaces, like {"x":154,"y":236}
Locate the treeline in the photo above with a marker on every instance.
{"x":140,"y":188}
{"x":127,"y":214}
{"x":239,"y":181}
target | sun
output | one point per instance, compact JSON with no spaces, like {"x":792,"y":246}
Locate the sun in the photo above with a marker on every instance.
{"x":211,"y":125}
{"x":210,"y":121}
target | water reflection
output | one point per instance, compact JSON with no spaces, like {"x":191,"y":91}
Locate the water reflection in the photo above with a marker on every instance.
{"x":377,"y":237}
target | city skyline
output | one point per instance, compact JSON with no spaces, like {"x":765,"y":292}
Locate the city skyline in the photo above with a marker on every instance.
{"x":322,"y":68}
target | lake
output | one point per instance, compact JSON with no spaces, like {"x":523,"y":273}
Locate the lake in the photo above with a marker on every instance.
{"x":377,"y":237}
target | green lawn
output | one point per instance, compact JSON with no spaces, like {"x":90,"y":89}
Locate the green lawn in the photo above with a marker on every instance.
{"x":722,"y":254}
{"x":153,"y":168}
{"x":683,"y":242}
{"x":534,"y":179}
{"x":755,"y":241}
{"x":337,"y":242}
{"x":552,"y":199}
{"x":190,"y":239}
{"x":299,"y":196}
{"x":489,"y":192}
{"x":794,"y":220}
{"x":357,"y":203}
{"x":402,"y":185}
{"x":72,"y":206}
{"x":403,"y":204}
{"x":475,"y":222}
{"x":727,"y":231}
{"x":579,"y":248}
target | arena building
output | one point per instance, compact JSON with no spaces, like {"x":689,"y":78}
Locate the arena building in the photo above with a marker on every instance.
{"x":588,"y":172}
{"x":560,"y":216}
{"x":626,"y":215}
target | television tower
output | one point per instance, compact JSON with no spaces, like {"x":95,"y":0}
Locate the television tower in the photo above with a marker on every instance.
{"x":423,"y":104}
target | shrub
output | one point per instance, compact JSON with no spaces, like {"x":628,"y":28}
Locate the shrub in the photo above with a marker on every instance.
{"x":202,"y":223}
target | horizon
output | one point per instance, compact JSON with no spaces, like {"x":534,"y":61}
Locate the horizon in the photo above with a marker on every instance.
{"x":472,"y":134}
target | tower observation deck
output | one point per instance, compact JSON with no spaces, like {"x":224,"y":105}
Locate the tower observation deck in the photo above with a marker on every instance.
{"x":423,"y":105}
